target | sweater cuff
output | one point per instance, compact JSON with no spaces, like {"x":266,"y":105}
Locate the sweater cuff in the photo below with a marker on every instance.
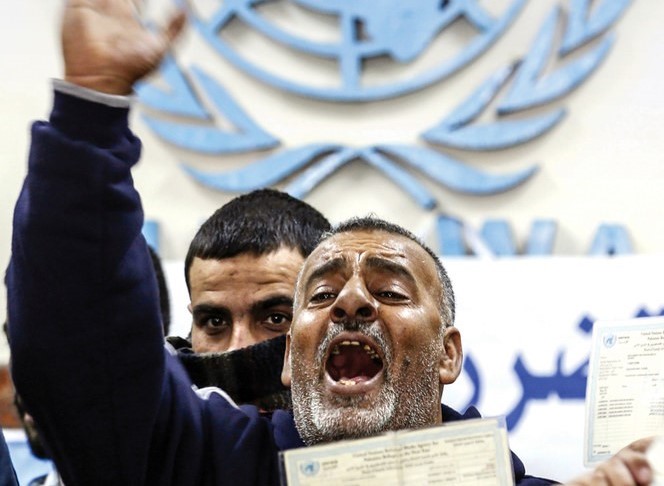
{"x":114,"y":101}
{"x":90,"y":116}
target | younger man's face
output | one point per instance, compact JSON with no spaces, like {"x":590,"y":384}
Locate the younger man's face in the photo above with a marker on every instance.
{"x":243,"y":300}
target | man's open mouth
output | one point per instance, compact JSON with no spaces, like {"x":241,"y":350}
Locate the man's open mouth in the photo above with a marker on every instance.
{"x":353,"y":361}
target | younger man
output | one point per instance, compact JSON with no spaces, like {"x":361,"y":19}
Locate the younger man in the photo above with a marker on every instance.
{"x":240,"y":271}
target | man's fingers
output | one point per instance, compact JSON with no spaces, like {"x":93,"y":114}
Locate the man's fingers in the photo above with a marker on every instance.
{"x":634,"y":456}
{"x":175,"y":26}
{"x":641,"y":445}
{"x":616,"y":473}
{"x":108,"y":48}
{"x":628,"y":467}
{"x":171,"y":31}
{"x":636,"y":461}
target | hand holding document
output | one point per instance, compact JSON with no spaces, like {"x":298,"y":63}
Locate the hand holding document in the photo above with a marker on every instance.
{"x":625,"y":391}
{"x":469,"y":452}
{"x":655,"y":455}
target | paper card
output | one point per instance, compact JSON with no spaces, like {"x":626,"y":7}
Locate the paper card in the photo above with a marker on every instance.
{"x":625,"y":389}
{"x":469,"y":452}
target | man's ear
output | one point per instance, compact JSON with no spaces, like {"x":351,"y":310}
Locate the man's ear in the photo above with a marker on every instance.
{"x":286,"y":370}
{"x":191,"y":329}
{"x":452,"y":356}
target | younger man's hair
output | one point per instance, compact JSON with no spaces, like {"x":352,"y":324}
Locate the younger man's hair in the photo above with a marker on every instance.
{"x":259,"y":223}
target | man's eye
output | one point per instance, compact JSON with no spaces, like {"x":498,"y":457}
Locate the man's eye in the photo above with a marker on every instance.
{"x":322,"y":296}
{"x":213,"y":322}
{"x":391,"y":295}
{"x":278,"y":321}
{"x":279,"y":318}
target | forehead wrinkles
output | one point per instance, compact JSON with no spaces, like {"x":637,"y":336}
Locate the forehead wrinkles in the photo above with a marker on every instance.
{"x":348,"y":263}
{"x":350,"y":249}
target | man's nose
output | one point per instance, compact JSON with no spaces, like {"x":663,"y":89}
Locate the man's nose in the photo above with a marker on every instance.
{"x":241,"y":336}
{"x":354,"y":303}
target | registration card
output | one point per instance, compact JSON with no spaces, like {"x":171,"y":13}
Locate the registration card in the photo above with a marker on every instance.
{"x":625,"y":390}
{"x":470,"y":452}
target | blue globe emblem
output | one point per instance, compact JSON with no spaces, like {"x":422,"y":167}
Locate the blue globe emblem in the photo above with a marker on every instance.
{"x":309,"y":468}
{"x":388,"y":33}
{"x":609,"y":340}
{"x":356,"y":35}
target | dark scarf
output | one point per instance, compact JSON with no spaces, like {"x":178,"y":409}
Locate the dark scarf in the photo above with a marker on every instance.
{"x":249,"y":375}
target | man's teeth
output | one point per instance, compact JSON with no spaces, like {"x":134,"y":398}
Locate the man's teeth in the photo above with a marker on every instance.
{"x":367,"y":349}
{"x":345,"y":382}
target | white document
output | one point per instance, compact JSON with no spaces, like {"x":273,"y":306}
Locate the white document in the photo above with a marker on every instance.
{"x":625,"y":390}
{"x":468,"y":452}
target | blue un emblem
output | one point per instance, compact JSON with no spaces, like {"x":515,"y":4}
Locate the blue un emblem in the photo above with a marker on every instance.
{"x":309,"y":468}
{"x":609,"y":340}
{"x":339,"y":52}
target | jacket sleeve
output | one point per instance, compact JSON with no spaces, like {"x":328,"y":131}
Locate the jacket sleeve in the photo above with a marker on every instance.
{"x":7,"y":473}
{"x":84,"y":323}
{"x":84,"y":328}
{"x":87,"y":354}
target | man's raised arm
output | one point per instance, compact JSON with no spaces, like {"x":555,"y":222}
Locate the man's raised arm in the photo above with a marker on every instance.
{"x":84,"y":326}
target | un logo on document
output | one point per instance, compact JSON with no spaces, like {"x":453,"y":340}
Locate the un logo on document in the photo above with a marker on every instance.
{"x":368,"y":51}
{"x":609,"y":340}
{"x":309,"y":468}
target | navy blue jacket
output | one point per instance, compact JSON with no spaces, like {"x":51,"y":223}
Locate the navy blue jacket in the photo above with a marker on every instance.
{"x":7,"y":473}
{"x":87,"y":348}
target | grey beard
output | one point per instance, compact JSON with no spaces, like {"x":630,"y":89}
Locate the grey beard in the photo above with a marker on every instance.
{"x":318,"y":421}
{"x":404,"y":403}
